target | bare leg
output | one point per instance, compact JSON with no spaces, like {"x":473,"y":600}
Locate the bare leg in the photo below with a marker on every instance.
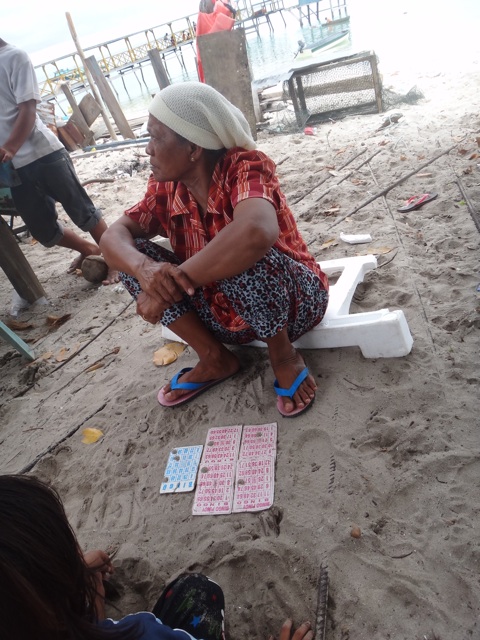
{"x":71,"y":240}
{"x":98,"y":230}
{"x":215,"y":361}
{"x":287,"y":363}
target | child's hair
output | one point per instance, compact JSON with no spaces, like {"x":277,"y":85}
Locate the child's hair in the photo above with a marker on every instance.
{"x":46,"y":590}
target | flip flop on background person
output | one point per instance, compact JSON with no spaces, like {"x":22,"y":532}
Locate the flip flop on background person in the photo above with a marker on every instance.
{"x":415,"y":202}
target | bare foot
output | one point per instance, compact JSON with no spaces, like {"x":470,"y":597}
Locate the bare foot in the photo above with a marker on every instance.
{"x":76,"y":264}
{"x":286,"y":372}
{"x":112,"y":277}
{"x":91,"y":250}
{"x":214,"y":367}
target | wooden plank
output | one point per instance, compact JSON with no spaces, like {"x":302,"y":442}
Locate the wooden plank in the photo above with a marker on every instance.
{"x":71,"y":136}
{"x":109,"y":97}
{"x":377,"y":83}
{"x":16,"y":266}
{"x":90,"y":108}
{"x":158,"y":68}
{"x":333,"y":64}
{"x":93,"y":88}
{"x":77,"y":115}
{"x":301,"y":93}
{"x":293,"y":97}
{"x":12,"y":338}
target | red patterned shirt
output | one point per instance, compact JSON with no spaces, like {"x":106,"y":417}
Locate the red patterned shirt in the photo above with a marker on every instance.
{"x":168,"y":209}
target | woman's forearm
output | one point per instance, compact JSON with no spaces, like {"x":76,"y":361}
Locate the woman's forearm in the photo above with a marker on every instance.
{"x":237,"y":247}
{"x":118,"y":247}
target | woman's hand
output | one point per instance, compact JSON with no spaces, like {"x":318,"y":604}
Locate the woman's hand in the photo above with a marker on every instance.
{"x":164,"y":282}
{"x":304,"y":631}
{"x":149,"y":309}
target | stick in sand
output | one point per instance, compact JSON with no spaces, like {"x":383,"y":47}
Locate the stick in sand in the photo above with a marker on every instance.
{"x":89,"y":77}
{"x":322,"y":602}
{"x":349,"y":174}
{"x":475,"y":215}
{"x":305,"y":194}
{"x":391,"y":186}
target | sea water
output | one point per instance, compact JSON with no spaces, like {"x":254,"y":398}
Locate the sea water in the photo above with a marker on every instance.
{"x":408,"y":36}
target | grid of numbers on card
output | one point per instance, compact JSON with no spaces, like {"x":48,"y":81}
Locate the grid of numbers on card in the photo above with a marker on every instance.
{"x":181,"y":470}
{"x":214,"y":492}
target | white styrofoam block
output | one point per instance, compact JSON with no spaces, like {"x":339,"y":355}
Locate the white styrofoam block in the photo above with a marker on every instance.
{"x":379,"y":334}
{"x":353,"y":271}
{"x":169,"y":335}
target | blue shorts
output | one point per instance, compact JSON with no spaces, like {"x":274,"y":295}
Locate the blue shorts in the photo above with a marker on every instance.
{"x":48,"y":180}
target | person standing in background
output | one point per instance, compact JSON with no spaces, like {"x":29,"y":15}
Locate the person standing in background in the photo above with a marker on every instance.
{"x":213,"y":16}
{"x":43,"y":165}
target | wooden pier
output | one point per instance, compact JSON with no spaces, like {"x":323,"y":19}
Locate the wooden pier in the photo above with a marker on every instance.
{"x":119,"y":55}
{"x":130,"y":52}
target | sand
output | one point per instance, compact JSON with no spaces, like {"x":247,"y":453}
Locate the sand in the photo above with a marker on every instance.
{"x":391,"y":445}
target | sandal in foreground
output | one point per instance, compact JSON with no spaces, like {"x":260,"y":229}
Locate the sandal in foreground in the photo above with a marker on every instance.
{"x":194,"y":388}
{"x":289,"y":393}
{"x":415,"y":202}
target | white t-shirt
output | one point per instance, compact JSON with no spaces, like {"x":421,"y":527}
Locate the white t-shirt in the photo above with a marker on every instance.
{"x":18,"y":83}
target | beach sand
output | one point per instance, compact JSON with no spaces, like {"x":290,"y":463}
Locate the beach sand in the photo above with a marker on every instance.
{"x":391,"y":446}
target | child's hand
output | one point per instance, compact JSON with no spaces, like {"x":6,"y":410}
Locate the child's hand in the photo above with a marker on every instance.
{"x":101,"y":567}
{"x":304,"y":631}
{"x":98,"y":560}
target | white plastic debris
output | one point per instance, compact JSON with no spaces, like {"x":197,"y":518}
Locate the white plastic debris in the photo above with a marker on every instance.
{"x":18,"y":304}
{"x":360,"y":238}
{"x":118,"y":288}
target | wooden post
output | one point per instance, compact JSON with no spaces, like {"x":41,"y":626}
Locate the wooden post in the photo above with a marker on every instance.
{"x":108,"y":124}
{"x":158,"y":68}
{"x":377,"y":83}
{"x":293,"y":97}
{"x":301,"y":93}
{"x":16,"y":266}
{"x":107,"y":95}
{"x":77,"y":115}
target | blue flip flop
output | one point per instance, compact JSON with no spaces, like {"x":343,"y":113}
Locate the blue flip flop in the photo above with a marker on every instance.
{"x":195,"y":388}
{"x":289,"y":393}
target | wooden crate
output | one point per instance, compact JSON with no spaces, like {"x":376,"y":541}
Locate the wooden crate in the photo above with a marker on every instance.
{"x":335,"y":88}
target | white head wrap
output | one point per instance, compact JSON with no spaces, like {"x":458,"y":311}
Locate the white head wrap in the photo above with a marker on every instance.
{"x":202,"y":115}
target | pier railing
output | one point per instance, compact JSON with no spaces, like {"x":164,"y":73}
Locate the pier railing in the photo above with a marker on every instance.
{"x":118,"y":54}
{"x":124,"y":53}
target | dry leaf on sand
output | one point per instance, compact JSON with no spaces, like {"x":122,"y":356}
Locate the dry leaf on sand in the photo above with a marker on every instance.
{"x":45,"y":356}
{"x":18,"y":325}
{"x":329,"y":243}
{"x":168,"y":353}
{"x":56,"y":321}
{"x":66,"y":352}
{"x":94,"y":367}
{"x":91,"y":435}
{"x":376,"y":251}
